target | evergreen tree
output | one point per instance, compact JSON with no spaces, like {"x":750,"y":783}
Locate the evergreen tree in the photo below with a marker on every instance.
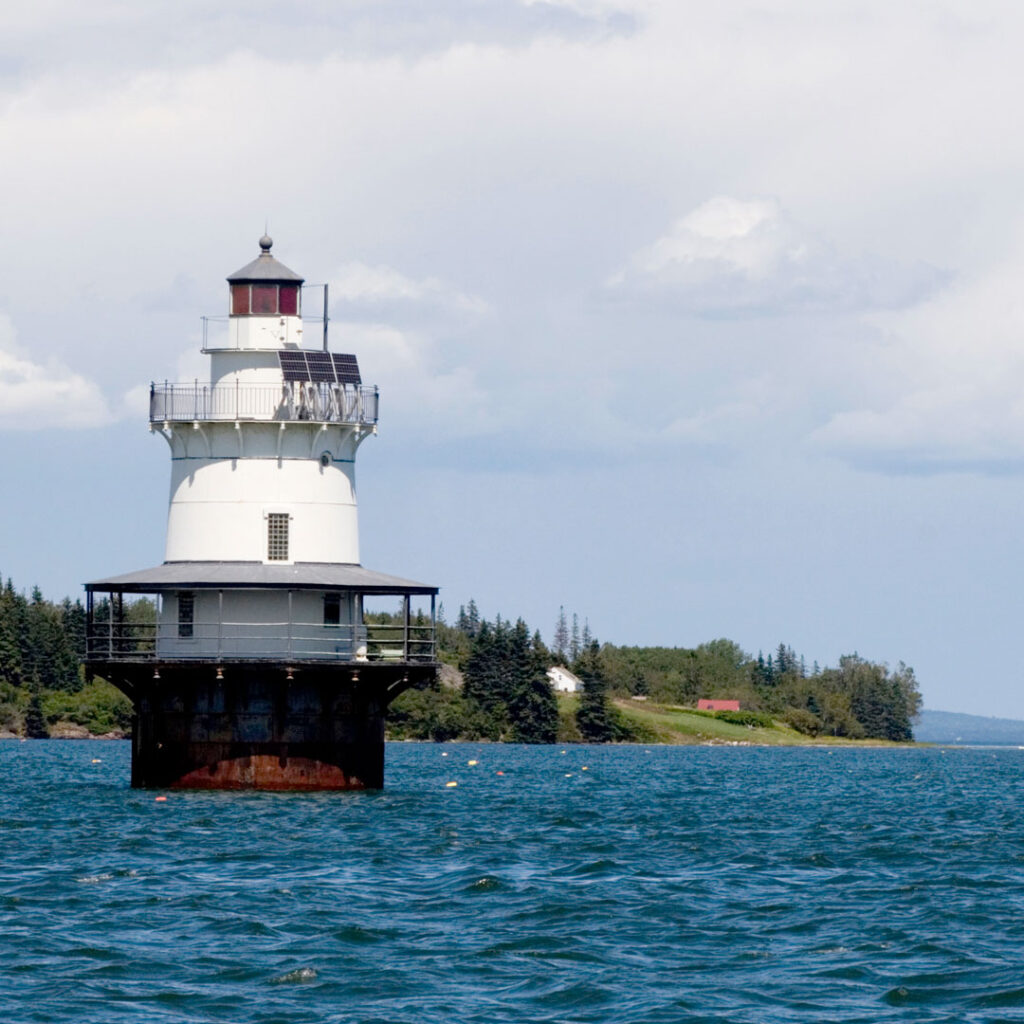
{"x":574,"y":640}
{"x":561,"y":641}
{"x":532,"y":707}
{"x":472,"y":619}
{"x":35,"y":723}
{"x":586,"y":639}
{"x":10,"y":649}
{"x":73,"y":622}
{"x":594,"y":717}
{"x":480,"y":678}
{"x":541,"y":652}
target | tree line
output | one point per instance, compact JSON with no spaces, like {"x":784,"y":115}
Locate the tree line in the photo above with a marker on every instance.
{"x":505,"y":692}
{"x":858,"y":699}
{"x":42,"y":682}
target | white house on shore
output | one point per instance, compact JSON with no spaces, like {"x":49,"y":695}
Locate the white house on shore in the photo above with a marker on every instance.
{"x":563,"y":681}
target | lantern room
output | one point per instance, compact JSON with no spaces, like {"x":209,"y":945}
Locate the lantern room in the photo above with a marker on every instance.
{"x":265,"y":303}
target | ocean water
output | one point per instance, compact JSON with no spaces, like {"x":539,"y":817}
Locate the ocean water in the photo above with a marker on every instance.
{"x":620,"y":884}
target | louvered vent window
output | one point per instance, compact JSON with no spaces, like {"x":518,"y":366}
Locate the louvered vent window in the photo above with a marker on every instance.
{"x":186,"y":614}
{"x":277,"y":537}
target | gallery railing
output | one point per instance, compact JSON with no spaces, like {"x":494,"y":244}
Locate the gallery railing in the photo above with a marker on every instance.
{"x":258,"y":641}
{"x":290,"y":401}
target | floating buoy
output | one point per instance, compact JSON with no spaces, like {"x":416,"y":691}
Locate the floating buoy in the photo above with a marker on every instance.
{"x":161,"y":799}
{"x":471,"y":762}
{"x":96,"y":760}
{"x":584,"y":768}
{"x":568,"y":775}
{"x":501,"y":773}
{"x":450,"y":785}
{"x":444,"y":753}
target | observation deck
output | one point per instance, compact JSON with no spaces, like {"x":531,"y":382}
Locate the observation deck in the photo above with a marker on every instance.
{"x":291,"y":401}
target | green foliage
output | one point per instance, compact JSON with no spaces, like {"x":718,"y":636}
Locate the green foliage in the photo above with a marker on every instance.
{"x":431,"y":713}
{"x":594,"y":716}
{"x":803,"y":721}
{"x":755,"y":719}
{"x":98,"y":706}
{"x":505,"y":695}
{"x":42,"y":682}
{"x":35,"y":722}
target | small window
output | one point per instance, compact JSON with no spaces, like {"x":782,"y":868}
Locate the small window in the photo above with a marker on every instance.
{"x":239,"y":300}
{"x":264,"y":298}
{"x":186,"y":614}
{"x":277,"y":537}
{"x":332,"y":609}
{"x":289,"y":300}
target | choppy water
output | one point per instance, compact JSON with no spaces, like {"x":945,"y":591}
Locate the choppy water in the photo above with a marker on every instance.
{"x":669,"y":885}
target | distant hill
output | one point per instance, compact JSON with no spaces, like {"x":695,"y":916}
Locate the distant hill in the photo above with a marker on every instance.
{"x":951,"y":727}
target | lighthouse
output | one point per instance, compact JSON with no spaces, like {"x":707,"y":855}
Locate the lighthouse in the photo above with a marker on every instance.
{"x":257,"y":660}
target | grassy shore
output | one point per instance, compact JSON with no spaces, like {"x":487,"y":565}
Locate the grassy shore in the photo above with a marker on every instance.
{"x":658,"y":723}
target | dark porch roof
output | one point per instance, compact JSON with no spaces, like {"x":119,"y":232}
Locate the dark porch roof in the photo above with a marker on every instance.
{"x":259,"y":576}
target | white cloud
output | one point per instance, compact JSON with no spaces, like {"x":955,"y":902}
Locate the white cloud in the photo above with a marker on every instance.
{"x":945,"y":390}
{"x":747,"y":256}
{"x":359,"y":284}
{"x":40,"y":395}
{"x":417,"y":387}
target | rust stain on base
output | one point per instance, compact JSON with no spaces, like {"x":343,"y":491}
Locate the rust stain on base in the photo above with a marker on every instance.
{"x":265,"y":771}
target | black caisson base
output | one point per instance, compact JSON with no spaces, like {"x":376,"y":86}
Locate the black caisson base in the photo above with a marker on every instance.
{"x":260,"y":726}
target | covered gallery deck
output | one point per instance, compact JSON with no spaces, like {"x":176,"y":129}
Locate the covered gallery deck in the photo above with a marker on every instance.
{"x":254,"y":611}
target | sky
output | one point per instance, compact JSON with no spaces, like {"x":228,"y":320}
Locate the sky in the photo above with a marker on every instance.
{"x":698,"y":321}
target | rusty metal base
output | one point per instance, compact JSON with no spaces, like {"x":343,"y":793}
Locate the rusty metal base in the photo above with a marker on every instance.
{"x":260,"y":726}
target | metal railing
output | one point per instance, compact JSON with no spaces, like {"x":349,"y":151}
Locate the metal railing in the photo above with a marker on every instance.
{"x":258,"y":641}
{"x":290,"y":401}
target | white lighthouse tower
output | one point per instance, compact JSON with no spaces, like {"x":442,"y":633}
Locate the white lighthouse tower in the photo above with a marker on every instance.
{"x":260,"y":670}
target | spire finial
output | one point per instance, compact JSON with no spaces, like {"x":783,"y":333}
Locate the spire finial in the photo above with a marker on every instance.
{"x":266,"y":242}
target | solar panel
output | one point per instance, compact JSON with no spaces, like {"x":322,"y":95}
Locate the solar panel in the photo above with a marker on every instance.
{"x":293,"y":366}
{"x":321,"y":367}
{"x":347,"y":368}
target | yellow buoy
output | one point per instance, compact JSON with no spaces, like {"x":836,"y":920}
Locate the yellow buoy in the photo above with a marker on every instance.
{"x":450,"y":785}
{"x":96,"y":760}
{"x":471,"y":762}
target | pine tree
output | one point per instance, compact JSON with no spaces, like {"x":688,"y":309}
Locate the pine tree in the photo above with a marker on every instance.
{"x":561,"y":641}
{"x":10,"y":649}
{"x":783,"y":662}
{"x":532,"y":707}
{"x":594,"y":717}
{"x":472,"y":619}
{"x":574,"y":640}
{"x":587,"y":637}
{"x":35,"y":723}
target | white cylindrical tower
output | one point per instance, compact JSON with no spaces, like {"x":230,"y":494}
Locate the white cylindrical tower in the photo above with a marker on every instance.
{"x":263,"y":455}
